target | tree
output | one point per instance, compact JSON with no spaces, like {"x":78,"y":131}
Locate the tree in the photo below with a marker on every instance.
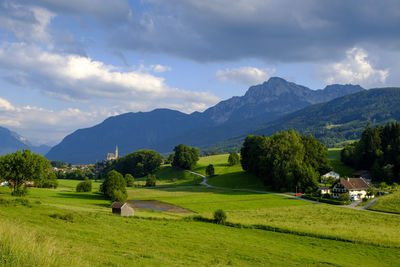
{"x":20,"y":167}
{"x":170,"y":158}
{"x":129,"y":180}
{"x":233,"y":159}
{"x":151,"y":180}
{"x":113,"y":185}
{"x":371,"y":192}
{"x":219,"y":216}
{"x":85,"y":186}
{"x":185,"y":157}
{"x":285,"y":160}
{"x":138,"y":164}
{"x":210,"y":170}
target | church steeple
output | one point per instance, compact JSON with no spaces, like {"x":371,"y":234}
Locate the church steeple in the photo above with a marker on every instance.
{"x":116,"y":151}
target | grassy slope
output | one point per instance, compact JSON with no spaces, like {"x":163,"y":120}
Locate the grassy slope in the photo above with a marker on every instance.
{"x":389,"y":203}
{"x":97,"y":237}
{"x":338,"y":166}
{"x":228,"y":176}
{"x":112,"y":240}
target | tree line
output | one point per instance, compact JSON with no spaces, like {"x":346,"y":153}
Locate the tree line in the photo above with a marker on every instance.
{"x":285,"y":160}
{"x":378,"y":150}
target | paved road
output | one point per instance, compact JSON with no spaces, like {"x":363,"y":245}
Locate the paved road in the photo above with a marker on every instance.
{"x":353,"y":205}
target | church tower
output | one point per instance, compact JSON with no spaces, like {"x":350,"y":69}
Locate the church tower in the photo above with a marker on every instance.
{"x":116,"y":152}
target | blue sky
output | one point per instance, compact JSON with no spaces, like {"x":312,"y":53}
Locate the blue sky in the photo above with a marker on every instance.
{"x":70,"y":64}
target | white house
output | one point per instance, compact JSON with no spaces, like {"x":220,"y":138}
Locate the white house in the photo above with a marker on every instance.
{"x":4,"y":184}
{"x":331,"y":174}
{"x":356,"y":187}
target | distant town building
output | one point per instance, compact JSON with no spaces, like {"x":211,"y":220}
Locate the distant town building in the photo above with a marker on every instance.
{"x":324,"y":190}
{"x":122,"y":209}
{"x":112,"y":156}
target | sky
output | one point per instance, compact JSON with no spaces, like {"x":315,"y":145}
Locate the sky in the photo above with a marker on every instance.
{"x":70,"y":64}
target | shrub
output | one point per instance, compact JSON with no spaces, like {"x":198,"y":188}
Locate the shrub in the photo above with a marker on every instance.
{"x":233,"y":159}
{"x":129,"y":180}
{"x":219,"y":216}
{"x":85,"y":186}
{"x":151,"y":180}
{"x":20,"y":191}
{"x":344,"y":197}
{"x":119,"y":196}
{"x":210,"y":170}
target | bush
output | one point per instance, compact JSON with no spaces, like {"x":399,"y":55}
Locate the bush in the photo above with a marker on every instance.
{"x":219,"y":216}
{"x":129,"y":180}
{"x":151,"y":180}
{"x":119,"y":196}
{"x":20,"y":191}
{"x":344,"y":197}
{"x":210,"y":170}
{"x":85,"y":186}
{"x":233,"y":159}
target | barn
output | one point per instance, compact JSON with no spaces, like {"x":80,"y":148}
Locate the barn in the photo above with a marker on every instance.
{"x":122,"y":209}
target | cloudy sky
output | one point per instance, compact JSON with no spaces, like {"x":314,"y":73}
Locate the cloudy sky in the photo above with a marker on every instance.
{"x":70,"y":64}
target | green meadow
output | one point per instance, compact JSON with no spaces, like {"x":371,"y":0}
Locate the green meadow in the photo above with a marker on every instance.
{"x":338,"y":166}
{"x":59,"y":227}
{"x":389,"y":203}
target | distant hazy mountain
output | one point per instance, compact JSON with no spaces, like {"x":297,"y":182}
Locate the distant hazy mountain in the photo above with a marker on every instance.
{"x":162,"y":129}
{"x":335,"y":121}
{"x":11,"y":142}
{"x":130,"y":131}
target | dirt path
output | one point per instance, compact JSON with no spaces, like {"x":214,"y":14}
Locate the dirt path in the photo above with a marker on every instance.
{"x":353,"y":205}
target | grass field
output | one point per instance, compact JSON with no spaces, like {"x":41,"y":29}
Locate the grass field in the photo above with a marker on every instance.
{"x":389,"y":203}
{"x":338,"y":166}
{"x":228,"y":176}
{"x":59,"y":227}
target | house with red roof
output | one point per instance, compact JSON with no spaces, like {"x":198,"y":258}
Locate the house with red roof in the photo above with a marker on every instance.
{"x":356,"y":187}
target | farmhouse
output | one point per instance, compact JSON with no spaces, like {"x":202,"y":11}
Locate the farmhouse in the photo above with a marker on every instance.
{"x":356,"y":187}
{"x":331,"y":174}
{"x":122,"y":209}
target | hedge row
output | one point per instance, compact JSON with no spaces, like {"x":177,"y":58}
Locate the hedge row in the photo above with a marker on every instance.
{"x":326,"y":200}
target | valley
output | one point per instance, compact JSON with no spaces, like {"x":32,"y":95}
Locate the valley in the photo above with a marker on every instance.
{"x":265,"y":228}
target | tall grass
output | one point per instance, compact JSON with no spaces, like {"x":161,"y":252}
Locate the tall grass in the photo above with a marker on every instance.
{"x":22,"y":247}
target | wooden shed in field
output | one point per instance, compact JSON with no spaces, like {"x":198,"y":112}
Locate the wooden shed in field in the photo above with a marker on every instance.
{"x":122,"y":209}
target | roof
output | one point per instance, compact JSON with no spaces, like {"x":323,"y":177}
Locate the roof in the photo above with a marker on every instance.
{"x":117,"y":205}
{"x":331,"y":173}
{"x":355,"y":183}
{"x":360,"y":172}
{"x":324,"y":188}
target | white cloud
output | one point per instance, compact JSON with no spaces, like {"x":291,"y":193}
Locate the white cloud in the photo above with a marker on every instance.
{"x":47,"y":126}
{"x":77,"y":78}
{"x":160,"y":68}
{"x":247,"y":75}
{"x":355,"y":69}
{"x":27,"y":23}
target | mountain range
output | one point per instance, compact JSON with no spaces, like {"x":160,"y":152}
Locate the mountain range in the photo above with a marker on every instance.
{"x":162,"y":129}
{"x":11,"y":141}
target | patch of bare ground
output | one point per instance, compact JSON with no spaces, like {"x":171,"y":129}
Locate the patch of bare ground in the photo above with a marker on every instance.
{"x":157,"y":205}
